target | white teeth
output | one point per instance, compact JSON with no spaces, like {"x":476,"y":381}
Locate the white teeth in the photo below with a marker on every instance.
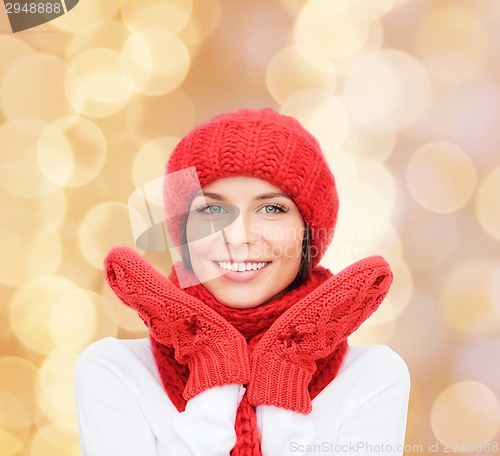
{"x":240,"y":267}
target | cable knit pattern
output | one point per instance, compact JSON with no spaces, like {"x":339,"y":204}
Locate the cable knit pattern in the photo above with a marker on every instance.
{"x":215,"y":352}
{"x":261,"y":144}
{"x":296,"y":343}
{"x":287,"y":354}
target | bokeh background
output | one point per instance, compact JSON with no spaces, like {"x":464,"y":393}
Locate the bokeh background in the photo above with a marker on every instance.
{"x":404,"y":97}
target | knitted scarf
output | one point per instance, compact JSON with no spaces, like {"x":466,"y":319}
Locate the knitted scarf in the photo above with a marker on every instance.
{"x":252,"y":323}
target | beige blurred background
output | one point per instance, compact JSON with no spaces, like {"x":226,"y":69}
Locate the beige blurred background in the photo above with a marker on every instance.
{"x":404,"y":97}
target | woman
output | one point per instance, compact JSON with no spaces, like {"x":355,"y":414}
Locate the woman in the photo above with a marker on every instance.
{"x":253,"y":358}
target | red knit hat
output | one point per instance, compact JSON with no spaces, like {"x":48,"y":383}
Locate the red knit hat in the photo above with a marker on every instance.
{"x":262,"y":144}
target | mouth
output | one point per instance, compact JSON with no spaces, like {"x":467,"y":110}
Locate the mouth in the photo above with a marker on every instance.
{"x":241,"y":272}
{"x":241,"y":267}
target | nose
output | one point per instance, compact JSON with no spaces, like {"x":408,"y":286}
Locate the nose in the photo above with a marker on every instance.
{"x":239,"y":232}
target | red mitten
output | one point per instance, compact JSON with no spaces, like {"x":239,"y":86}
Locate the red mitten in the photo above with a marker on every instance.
{"x":215,"y":352}
{"x":284,"y":360}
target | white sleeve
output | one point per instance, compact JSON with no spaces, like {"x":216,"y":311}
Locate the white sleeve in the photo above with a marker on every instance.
{"x":361,"y":412}
{"x":374,"y":419}
{"x":110,"y":419}
{"x":207,"y":424}
{"x":280,"y":429}
{"x":122,"y":409}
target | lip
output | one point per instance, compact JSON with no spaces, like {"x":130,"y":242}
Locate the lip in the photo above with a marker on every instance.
{"x":246,"y":276}
{"x":242,"y":261}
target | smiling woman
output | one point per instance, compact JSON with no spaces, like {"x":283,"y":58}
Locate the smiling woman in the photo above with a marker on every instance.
{"x":253,"y":358}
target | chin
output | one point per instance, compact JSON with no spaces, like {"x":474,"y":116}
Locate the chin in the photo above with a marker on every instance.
{"x":237,"y":302}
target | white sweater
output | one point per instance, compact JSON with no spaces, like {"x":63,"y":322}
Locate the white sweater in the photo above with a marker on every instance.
{"x":124,"y":411}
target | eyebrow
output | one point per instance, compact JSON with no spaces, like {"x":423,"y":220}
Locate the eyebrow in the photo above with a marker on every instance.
{"x":264,"y":196}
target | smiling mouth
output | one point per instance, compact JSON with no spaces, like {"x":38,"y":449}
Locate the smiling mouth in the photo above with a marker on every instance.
{"x":242,"y":267}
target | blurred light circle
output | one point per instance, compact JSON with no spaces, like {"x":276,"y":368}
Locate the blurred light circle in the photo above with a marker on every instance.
{"x":297,"y":68}
{"x":63,"y":436}
{"x":125,"y":317}
{"x":342,"y":164}
{"x":452,"y":43}
{"x":401,"y":3}
{"x":104,"y":88}
{"x":32,"y":219}
{"x":441,"y":177}
{"x":390,"y":242}
{"x":19,"y":173}
{"x":139,"y":15}
{"x":55,"y":385}
{"x":13,"y":413}
{"x":38,"y":80}
{"x":378,"y":176}
{"x":55,"y":155}
{"x":487,"y":206}
{"x":172,"y":114}
{"x":397,"y":81}
{"x":434,"y":238}
{"x":87,"y":17}
{"x":465,"y":412}
{"x":103,"y":227}
{"x":23,"y":179}
{"x":384,"y":315}
{"x":478,"y":360}
{"x":39,"y":446}
{"x":371,"y":127}
{"x":154,"y":61}
{"x":106,"y":321}
{"x":111,"y":36}
{"x":204,"y":20}
{"x":71,"y":152}
{"x":370,"y":333}
{"x":336,"y":35}
{"x":368,"y":10}
{"x":363,"y":199}
{"x":494,"y":288}
{"x":17,"y":380}
{"x":73,"y":320}
{"x":10,"y":442}
{"x":31,"y":307}
{"x":329,"y":123}
{"x":349,"y":64}
{"x":150,"y":161}
{"x":420,"y":313}
{"x":362,"y":225}
{"x":465,"y":301}
{"x":402,"y":287}
{"x":321,"y":113}
{"x":13,"y":48}
{"x":26,"y":259}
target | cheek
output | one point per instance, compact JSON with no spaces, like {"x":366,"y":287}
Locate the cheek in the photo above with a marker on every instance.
{"x":201,"y":248}
{"x":286,"y":244}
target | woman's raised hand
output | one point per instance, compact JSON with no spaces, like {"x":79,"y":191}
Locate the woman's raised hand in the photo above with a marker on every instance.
{"x":214,"y":350}
{"x":311,"y":329}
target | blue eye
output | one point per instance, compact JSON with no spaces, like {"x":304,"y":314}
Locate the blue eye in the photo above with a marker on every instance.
{"x":204,"y":208}
{"x":277,"y":208}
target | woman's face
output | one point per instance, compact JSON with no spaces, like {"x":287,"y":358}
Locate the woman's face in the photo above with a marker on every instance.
{"x":265,"y":239}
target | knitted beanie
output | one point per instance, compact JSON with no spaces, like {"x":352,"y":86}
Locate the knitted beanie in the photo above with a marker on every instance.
{"x":262,"y":144}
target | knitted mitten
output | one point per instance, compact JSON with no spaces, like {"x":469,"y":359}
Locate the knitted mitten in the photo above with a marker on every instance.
{"x":215,"y":352}
{"x":284,"y":360}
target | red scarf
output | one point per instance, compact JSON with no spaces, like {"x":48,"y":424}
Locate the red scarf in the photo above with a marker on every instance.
{"x":252,"y":323}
